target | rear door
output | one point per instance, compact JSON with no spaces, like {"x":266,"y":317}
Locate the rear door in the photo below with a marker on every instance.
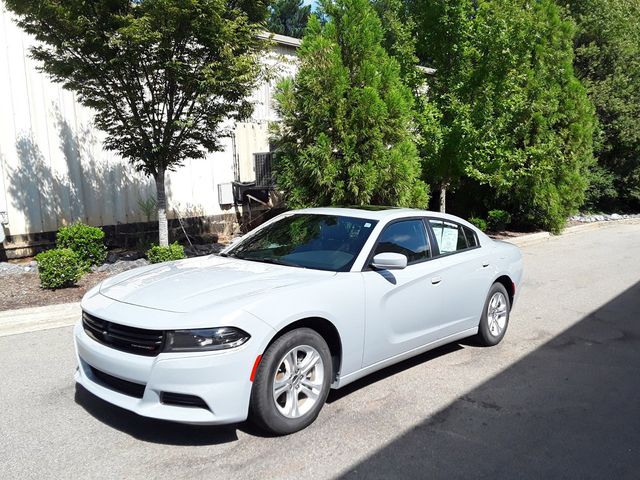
{"x":464,"y":272}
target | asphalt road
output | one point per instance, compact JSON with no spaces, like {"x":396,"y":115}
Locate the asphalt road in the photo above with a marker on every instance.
{"x":558,"y":398}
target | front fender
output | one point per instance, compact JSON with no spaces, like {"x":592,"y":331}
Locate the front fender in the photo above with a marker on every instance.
{"x":339,"y":300}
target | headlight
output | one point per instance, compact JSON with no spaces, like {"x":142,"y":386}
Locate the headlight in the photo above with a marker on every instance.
{"x":205,"y":339}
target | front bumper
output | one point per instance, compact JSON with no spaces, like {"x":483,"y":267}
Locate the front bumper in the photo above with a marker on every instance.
{"x":221,"y":379}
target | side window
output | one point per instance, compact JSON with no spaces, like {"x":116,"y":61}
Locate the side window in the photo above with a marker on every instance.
{"x":450,"y":237}
{"x":407,"y":237}
{"x":472,"y":240}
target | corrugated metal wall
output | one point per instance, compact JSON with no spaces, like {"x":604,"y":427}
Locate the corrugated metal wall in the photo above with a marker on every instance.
{"x":54,"y":171}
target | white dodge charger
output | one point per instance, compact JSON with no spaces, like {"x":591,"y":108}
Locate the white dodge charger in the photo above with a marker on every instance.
{"x":311,"y":300}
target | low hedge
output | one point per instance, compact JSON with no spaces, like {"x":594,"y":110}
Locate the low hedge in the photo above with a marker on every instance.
{"x":86,"y":241}
{"x":59,"y":268}
{"x":157,"y":254}
{"x":478,"y":223}
{"x":498,"y":220}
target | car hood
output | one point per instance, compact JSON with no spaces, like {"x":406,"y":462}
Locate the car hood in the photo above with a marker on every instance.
{"x":197,"y":283}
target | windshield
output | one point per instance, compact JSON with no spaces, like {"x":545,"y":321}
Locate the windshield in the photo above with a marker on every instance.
{"x":321,"y":242}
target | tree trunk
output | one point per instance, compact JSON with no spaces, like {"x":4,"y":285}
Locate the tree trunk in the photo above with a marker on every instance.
{"x":161,"y":197}
{"x":443,"y":196}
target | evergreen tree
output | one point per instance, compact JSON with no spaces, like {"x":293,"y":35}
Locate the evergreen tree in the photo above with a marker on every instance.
{"x":346,"y":131}
{"x":514,"y":116}
{"x":607,"y":60}
{"x":288,"y":17}
{"x":400,"y":42}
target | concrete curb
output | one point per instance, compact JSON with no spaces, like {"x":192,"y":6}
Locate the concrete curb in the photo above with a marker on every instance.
{"x":24,"y":320}
{"x":541,"y":236}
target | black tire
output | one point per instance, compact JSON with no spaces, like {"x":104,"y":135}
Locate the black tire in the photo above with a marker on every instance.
{"x":263,"y":410}
{"x":485,"y":336}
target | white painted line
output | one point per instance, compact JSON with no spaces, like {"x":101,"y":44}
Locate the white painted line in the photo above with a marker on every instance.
{"x":14,"y":322}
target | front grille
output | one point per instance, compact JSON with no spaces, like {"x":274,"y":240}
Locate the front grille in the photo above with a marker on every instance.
{"x":119,"y":385}
{"x":182,"y":400}
{"x":127,"y":339}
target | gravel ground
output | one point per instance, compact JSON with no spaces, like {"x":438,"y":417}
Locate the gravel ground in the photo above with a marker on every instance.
{"x":22,"y":290}
{"x":20,"y":284}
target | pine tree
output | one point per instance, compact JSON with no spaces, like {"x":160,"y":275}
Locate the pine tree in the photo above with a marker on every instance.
{"x":347,"y":118}
{"x":607,"y":61}
{"x":288,"y":17}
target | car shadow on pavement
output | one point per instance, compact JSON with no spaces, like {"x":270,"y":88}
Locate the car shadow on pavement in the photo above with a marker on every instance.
{"x":152,"y":430}
{"x":569,"y":409}
{"x":335,"y":395}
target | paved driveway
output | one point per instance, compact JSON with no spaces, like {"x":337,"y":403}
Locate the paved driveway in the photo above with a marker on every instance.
{"x":559,"y":398}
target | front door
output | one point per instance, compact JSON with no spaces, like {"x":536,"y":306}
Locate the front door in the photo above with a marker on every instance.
{"x":404,"y":308}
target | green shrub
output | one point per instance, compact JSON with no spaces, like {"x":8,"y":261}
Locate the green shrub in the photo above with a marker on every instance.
{"x":479,"y":223}
{"x":498,"y":220}
{"x":59,"y":268}
{"x":86,"y":241}
{"x":157,"y":254}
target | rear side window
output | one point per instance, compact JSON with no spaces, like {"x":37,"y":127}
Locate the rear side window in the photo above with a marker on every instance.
{"x":450,"y":237}
{"x":407,"y":237}
{"x":472,"y":240}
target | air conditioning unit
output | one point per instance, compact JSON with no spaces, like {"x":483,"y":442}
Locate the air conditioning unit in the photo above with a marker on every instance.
{"x":225,"y":194}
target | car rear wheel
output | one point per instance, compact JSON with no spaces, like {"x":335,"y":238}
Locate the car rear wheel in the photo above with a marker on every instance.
{"x":292,"y":382}
{"x":495,"y":316}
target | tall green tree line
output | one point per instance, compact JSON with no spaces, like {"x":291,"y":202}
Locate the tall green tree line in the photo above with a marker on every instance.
{"x":514,"y":117}
{"x":607,"y":60}
{"x":503,"y":118}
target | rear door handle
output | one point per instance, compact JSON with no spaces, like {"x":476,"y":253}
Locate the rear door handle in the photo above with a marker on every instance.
{"x":485,"y":264}
{"x":436,"y":280}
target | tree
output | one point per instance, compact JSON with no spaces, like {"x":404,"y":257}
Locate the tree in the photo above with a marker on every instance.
{"x":444,"y":42}
{"x":288,"y":17}
{"x":161,"y":75}
{"x":607,"y":60}
{"x":514,"y":116}
{"x":400,"y":42}
{"x":346,"y":131}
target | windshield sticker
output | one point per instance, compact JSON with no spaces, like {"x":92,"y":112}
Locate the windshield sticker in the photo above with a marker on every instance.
{"x":367,"y":225}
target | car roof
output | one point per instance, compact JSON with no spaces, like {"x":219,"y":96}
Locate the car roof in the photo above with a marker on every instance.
{"x":375,"y":213}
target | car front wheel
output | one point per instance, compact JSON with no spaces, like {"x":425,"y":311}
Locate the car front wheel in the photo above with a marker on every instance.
{"x":495,"y":316}
{"x":292,"y":382}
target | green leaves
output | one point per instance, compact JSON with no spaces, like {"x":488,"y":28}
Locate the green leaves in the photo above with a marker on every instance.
{"x":59,"y":268}
{"x":86,"y":241}
{"x":607,"y":60}
{"x":512,"y":114}
{"x":157,"y":254}
{"x":347,"y":118}
{"x":288,"y":17}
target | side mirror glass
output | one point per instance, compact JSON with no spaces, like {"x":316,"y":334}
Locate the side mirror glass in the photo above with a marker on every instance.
{"x":389,"y":261}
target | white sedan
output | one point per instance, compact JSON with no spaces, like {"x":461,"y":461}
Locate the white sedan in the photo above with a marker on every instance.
{"x":311,"y":300}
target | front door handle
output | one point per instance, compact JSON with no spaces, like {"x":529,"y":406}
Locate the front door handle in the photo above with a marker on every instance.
{"x":485,"y":264}
{"x":435,"y":280}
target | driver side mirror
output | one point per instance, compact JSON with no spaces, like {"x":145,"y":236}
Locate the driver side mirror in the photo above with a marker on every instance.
{"x":389,"y":261}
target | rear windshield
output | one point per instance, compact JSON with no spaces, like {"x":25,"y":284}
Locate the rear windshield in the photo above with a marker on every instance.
{"x":321,"y":242}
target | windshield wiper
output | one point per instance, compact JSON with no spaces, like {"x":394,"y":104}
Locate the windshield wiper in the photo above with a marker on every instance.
{"x":272,"y":260}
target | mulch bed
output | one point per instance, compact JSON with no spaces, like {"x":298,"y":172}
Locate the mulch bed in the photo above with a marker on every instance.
{"x":22,"y":290}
